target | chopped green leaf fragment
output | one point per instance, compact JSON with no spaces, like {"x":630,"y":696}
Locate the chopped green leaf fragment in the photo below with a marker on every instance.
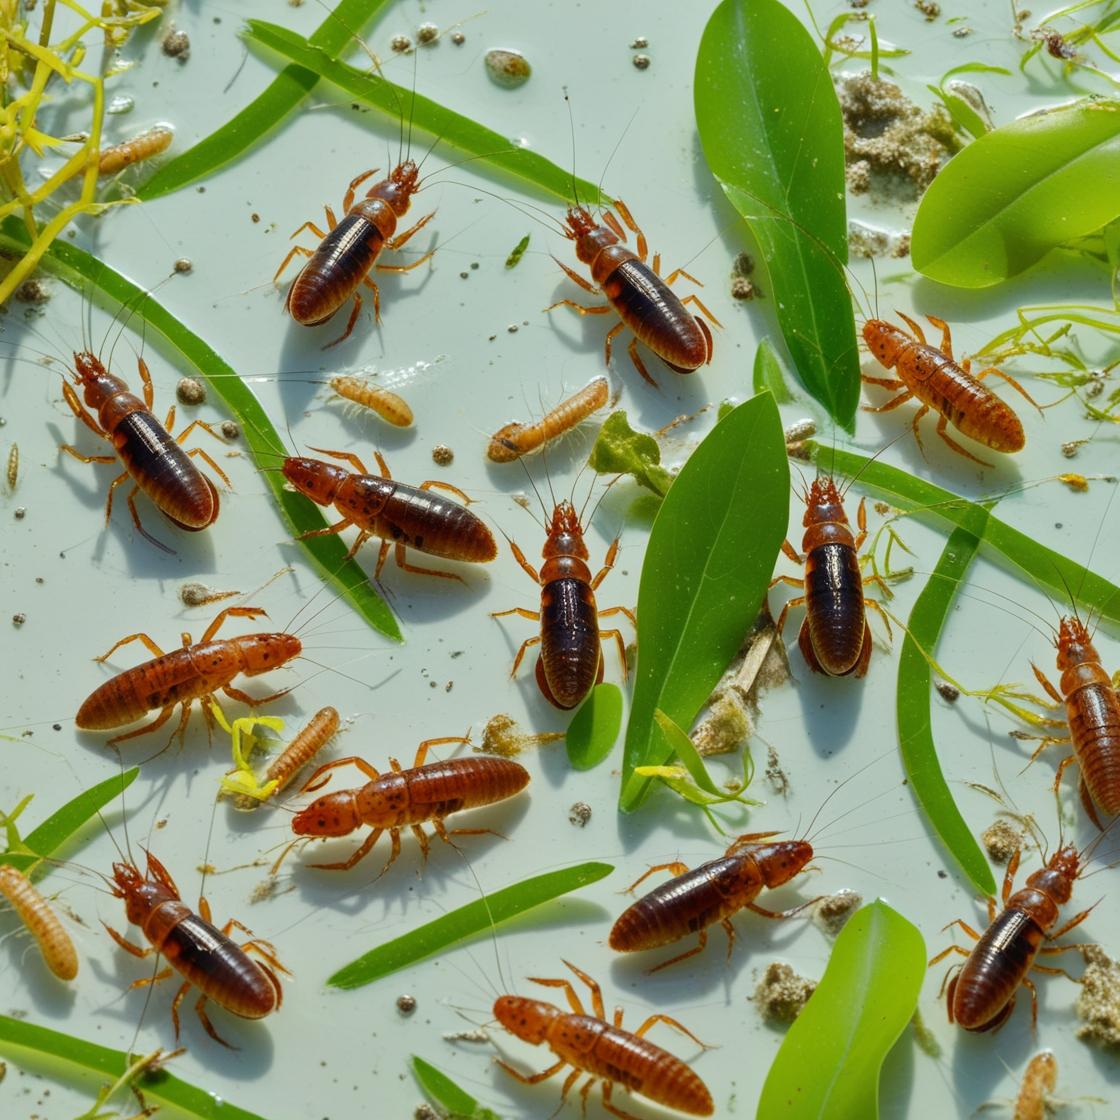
{"x":620,"y":450}
{"x":518,"y":252}
{"x":443,"y":1092}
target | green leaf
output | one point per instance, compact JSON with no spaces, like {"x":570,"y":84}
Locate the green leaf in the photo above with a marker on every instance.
{"x":18,"y":1037}
{"x":594,"y":728}
{"x":619,"y":449}
{"x":517,"y":252}
{"x":771,"y":129}
{"x":482,"y":914}
{"x":678,"y":742}
{"x":1015,"y":193}
{"x":442,"y":1091}
{"x":768,"y":373}
{"x":493,"y":148}
{"x":328,"y":554}
{"x":1054,"y":573}
{"x":266,"y":112}
{"x":45,"y":839}
{"x":828,"y":1065}
{"x":709,"y":560}
{"x":915,"y":736}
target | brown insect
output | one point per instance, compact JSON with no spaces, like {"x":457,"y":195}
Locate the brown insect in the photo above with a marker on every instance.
{"x":951,"y":390}
{"x":192,"y":673}
{"x":695,"y":899}
{"x":144,"y":146}
{"x":302,"y":749}
{"x":643,"y":301}
{"x":153,"y":460}
{"x":406,"y":798}
{"x":604,"y":1050}
{"x":54,"y":942}
{"x":835,"y":637}
{"x":202,"y":954}
{"x":571,"y":658}
{"x":388,"y":405}
{"x":404,"y":516}
{"x":516,"y":439}
{"x":982,"y":993}
{"x":349,"y":249}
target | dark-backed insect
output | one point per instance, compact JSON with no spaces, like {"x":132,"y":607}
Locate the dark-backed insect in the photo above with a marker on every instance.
{"x":153,"y":460}
{"x":403,"y":516}
{"x":406,"y":799}
{"x":54,"y":942}
{"x":951,"y":390}
{"x":349,"y":249}
{"x":835,"y":637}
{"x":192,"y":673}
{"x":982,"y":993}
{"x":516,"y":439}
{"x":202,"y":954}
{"x":635,"y":292}
{"x":604,"y":1050}
{"x":710,"y":893}
{"x":571,"y":657}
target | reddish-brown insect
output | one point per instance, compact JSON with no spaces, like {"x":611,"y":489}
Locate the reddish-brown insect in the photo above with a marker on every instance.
{"x":153,"y":460}
{"x":710,"y":893}
{"x":144,"y":146}
{"x":1037,"y":1090}
{"x":54,"y":942}
{"x":951,"y":390}
{"x":202,"y":954}
{"x":192,"y":673}
{"x":835,"y":637}
{"x":349,"y":249}
{"x":571,"y":658}
{"x":1093,"y":714}
{"x":636,"y":293}
{"x":516,"y":439}
{"x":982,"y":993}
{"x":406,"y":798}
{"x":392,"y":408}
{"x":592,"y":1045}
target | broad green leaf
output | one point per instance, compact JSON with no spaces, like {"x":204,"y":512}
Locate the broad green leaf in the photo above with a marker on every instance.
{"x":709,"y":560}
{"x":47,"y":837}
{"x":1015,"y":193}
{"x":19,"y":1038}
{"x":285,"y":92}
{"x":618,"y":449}
{"x":300,"y":515}
{"x":493,"y":148}
{"x":915,"y":735}
{"x":828,"y":1065}
{"x":768,"y":373}
{"x":442,"y":1091}
{"x":771,"y":129}
{"x":482,"y":914}
{"x":1056,"y":574}
{"x":594,"y":728}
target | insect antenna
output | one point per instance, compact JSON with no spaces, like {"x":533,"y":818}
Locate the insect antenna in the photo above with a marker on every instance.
{"x":886,"y":447}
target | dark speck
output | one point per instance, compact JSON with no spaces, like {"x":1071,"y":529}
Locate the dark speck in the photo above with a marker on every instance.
{"x":56,"y":726}
{"x":943,"y":874}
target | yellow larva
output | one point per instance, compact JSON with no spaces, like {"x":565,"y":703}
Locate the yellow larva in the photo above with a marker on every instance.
{"x":391,"y":408}
{"x":1037,"y":1088}
{"x":54,"y":942}
{"x":144,"y":146}
{"x":515,"y":440}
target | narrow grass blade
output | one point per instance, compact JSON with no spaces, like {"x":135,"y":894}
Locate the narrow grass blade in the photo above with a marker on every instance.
{"x":328,"y":554}
{"x":493,"y":149}
{"x":473,"y":918}
{"x":915,"y":736}
{"x":1050,"y":570}
{"x":19,"y":1038}
{"x":710,"y":556}
{"x":828,"y":1066}
{"x":442,"y":1091}
{"x":266,"y":112}
{"x":594,"y":728}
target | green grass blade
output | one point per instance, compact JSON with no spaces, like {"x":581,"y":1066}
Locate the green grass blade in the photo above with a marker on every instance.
{"x":709,"y":560}
{"x":594,"y":728}
{"x":482,"y":914}
{"x":493,"y":148}
{"x":441,"y":1090}
{"x":45,"y":839}
{"x":770,"y":124}
{"x":768,"y":373}
{"x":915,"y":736}
{"x":266,"y":112}
{"x":18,"y":1037}
{"x":828,"y":1065}
{"x":300,"y":515}
{"x":1050,"y":570}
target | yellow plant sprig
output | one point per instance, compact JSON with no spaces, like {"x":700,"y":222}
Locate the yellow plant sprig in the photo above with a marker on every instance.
{"x":242,"y":780}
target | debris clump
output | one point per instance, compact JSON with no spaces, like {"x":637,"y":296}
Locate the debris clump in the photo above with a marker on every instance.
{"x":1098,"y":1002}
{"x":782,"y":993}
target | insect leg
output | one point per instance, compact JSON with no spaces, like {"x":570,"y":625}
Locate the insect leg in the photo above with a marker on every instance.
{"x":445,"y":836}
{"x":532,"y":1078}
{"x":200,"y":1011}
{"x":884,"y":383}
{"x":570,"y":993}
{"x":252,"y":701}
{"x":628,"y":218}
{"x":613,"y":1109}
{"x":521,"y":652}
{"x":919,"y":334}
{"x":231,"y":612}
{"x":1051,"y":691}
{"x":676,"y":868}
{"x":620,"y":610}
{"x":405,"y":566}
{"x":670,"y":1022}
{"x":433,"y":484}
{"x":297,"y":251}
{"x":586,"y":285}
{"x":313,"y":782}
{"x":401,"y":238}
{"x":617,"y":635}
{"x":692,"y":297}
{"x":345,"y":523}
{"x":86,"y":458}
{"x":779,"y":915}
{"x":527,"y":568}
{"x":605,"y":309}
{"x":945,"y":952}
{"x":632,"y":350}
{"x":360,"y":853}
{"x":608,"y":563}
{"x":81,"y":412}
{"x":946,"y":345}
{"x":942,"y":431}
{"x":966,"y":365}
{"x":127,"y":945}
{"x":348,"y":199}
{"x":697,"y":948}
{"x":427,"y":744}
{"x":354,"y":318}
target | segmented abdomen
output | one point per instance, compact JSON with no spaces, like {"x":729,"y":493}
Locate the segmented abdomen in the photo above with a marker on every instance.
{"x":995,"y":969}
{"x":335,"y":270}
{"x":440,"y":788}
{"x":570,"y":647}
{"x":834,"y":606}
{"x":1093,"y":712}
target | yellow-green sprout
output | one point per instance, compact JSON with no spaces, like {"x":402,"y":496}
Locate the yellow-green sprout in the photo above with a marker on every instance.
{"x":243,"y":780}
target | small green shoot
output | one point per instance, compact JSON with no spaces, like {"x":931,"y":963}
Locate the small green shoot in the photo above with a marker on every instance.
{"x":242,"y":780}
{"x":964,"y":115}
{"x":456,"y":1103}
{"x":618,"y":449}
{"x":516,"y":253}
{"x":848,"y":46}
{"x":594,"y":729}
